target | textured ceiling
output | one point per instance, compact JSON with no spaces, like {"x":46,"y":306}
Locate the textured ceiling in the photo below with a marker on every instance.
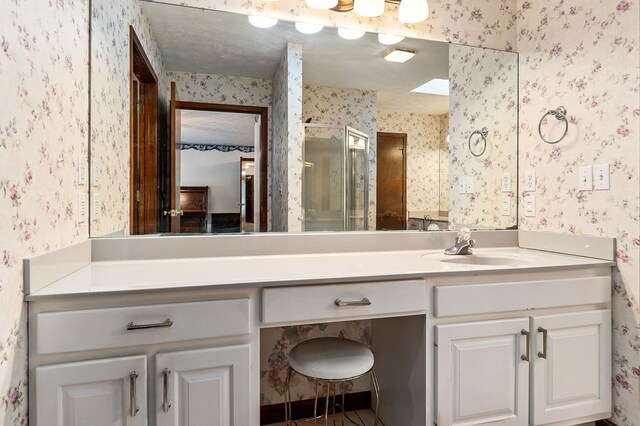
{"x":212,"y":42}
{"x":217,"y":128}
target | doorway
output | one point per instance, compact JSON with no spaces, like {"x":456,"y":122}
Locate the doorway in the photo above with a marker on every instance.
{"x":143,"y":135}
{"x":391,"y":182}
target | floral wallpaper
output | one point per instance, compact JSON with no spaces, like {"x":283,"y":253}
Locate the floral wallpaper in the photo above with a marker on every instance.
{"x":424,"y":144}
{"x":347,"y":107}
{"x":43,"y":136}
{"x":287,"y":135}
{"x":487,"y":23}
{"x":444,"y":164}
{"x":483,"y":92}
{"x":110,"y":94}
{"x":274,"y":364}
{"x":595,"y":76}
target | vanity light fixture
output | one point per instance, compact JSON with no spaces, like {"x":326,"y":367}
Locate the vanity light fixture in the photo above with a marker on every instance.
{"x":389,"y":39}
{"x":322,"y":4}
{"x":308,"y":28}
{"x":368,"y":8}
{"x":413,"y":11}
{"x":350,"y":34}
{"x":436,"y":86}
{"x":262,"y":21}
{"x":399,"y":54}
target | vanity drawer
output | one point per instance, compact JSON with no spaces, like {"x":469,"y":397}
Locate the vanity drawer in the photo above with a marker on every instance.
{"x":90,"y":329}
{"x":307,"y":304}
{"x":469,"y":299}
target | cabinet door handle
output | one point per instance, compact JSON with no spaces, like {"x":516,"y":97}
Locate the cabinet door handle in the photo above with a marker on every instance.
{"x":165,"y":390}
{"x":525,"y":357}
{"x":363,"y":302}
{"x":133,"y":326}
{"x":133,"y":405}
{"x":543,"y":354}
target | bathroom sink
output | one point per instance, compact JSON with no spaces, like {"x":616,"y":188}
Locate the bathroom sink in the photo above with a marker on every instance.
{"x":483,"y":259}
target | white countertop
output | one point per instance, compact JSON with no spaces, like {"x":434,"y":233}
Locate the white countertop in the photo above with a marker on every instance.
{"x":122,"y":277}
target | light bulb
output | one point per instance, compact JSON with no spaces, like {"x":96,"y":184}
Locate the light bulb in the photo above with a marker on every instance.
{"x":350,"y":34}
{"x":389,"y":39}
{"x":262,"y":21}
{"x":322,"y":4}
{"x":368,"y":8}
{"x":413,"y":11}
{"x":308,"y":28}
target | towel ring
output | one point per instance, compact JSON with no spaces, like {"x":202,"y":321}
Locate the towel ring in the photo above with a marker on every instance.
{"x":484,"y":132}
{"x":559,"y":113}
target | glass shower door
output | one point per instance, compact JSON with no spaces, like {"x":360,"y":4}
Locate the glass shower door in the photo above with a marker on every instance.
{"x":357,"y":180}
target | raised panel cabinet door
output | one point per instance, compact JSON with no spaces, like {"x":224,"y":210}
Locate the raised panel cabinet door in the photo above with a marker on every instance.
{"x":204,"y":387}
{"x":482,"y":373}
{"x":571,"y":366}
{"x":101,"y":392}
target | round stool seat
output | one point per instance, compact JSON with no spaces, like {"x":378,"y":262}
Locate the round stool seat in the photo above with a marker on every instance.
{"x":331,"y":358}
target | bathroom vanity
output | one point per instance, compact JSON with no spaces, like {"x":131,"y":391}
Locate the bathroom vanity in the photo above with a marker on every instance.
{"x":507,"y":335}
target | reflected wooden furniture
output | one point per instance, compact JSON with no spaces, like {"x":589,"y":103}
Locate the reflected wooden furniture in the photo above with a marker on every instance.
{"x":193,"y":202}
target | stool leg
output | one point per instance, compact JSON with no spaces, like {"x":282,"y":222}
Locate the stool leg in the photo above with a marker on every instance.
{"x":315,"y":405}
{"x":326,"y":405}
{"x":342,"y":406}
{"x":334,"y":403}
{"x":287,"y":398}
{"x":376,"y":390}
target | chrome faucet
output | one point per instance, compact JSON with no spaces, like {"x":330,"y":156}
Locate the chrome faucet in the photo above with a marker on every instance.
{"x":463,"y":243}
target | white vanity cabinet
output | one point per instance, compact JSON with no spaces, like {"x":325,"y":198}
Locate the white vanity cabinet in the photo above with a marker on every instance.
{"x":186,"y":363}
{"x":524,"y":368}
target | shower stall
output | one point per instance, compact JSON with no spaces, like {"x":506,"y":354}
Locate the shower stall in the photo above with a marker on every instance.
{"x":335,"y":178}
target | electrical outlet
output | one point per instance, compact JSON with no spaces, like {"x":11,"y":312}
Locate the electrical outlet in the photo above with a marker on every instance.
{"x":82,"y":207}
{"x":505,"y":182}
{"x":530,"y":206}
{"x":95,"y":205}
{"x":462,"y":183}
{"x":95,"y":173}
{"x":585,"y":178}
{"x":471,"y":186}
{"x":506,"y":205}
{"x":601,"y":176}
{"x":82,"y":170}
{"x":530,"y":180}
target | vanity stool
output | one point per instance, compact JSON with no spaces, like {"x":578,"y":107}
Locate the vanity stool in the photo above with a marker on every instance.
{"x":330,"y":360}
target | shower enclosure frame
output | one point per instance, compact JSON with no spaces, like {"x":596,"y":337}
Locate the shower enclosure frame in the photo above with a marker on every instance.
{"x":348,"y":173}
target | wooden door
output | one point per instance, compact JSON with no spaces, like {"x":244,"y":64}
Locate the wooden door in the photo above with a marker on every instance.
{"x":175,"y":211}
{"x":204,"y":387}
{"x":102,"y":392}
{"x":572,"y":369}
{"x":391,"y":182}
{"x":481,"y":376}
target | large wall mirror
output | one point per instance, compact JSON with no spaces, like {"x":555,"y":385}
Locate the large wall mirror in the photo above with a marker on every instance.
{"x":205,"y":122}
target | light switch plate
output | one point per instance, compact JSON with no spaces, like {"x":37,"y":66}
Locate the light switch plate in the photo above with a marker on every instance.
{"x":471,"y":185}
{"x":530,"y":206}
{"x":585,"y":178}
{"x":82,"y":207}
{"x":95,"y":173}
{"x":506,"y":205}
{"x":530,"y":180}
{"x":82,"y":170}
{"x":601,"y":176}
{"x":505,"y":182}
{"x":462,"y":183}
{"x":95,"y":205}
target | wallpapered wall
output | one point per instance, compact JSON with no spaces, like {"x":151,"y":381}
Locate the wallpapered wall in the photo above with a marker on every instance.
{"x":287,"y":135}
{"x":347,"y":107}
{"x":583,"y":54}
{"x":444,"y":163}
{"x":110,"y":105}
{"x":483,"y":93}
{"x":425,"y":137}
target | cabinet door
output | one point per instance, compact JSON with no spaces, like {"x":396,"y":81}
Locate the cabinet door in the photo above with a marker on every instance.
{"x":481,"y":376}
{"x":572,"y":369}
{"x":204,"y":387}
{"x":102,"y":392}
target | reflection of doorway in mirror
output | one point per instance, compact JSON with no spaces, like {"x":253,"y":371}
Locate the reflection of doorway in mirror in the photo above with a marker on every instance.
{"x":215,"y":145}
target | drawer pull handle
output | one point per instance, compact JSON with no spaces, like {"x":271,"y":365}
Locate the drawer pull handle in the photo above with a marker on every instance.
{"x":543,"y":354}
{"x":525,"y":357}
{"x":363,"y":302}
{"x":133,"y":405}
{"x":165,"y":390}
{"x":133,"y":326}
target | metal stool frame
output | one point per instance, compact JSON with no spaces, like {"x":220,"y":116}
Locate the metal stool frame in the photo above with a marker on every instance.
{"x":287,"y":397}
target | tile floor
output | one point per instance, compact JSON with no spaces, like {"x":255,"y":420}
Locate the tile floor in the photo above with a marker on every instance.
{"x":360,"y":417}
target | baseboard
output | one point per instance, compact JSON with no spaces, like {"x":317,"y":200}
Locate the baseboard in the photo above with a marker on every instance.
{"x":304,"y":409}
{"x":605,"y":422}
